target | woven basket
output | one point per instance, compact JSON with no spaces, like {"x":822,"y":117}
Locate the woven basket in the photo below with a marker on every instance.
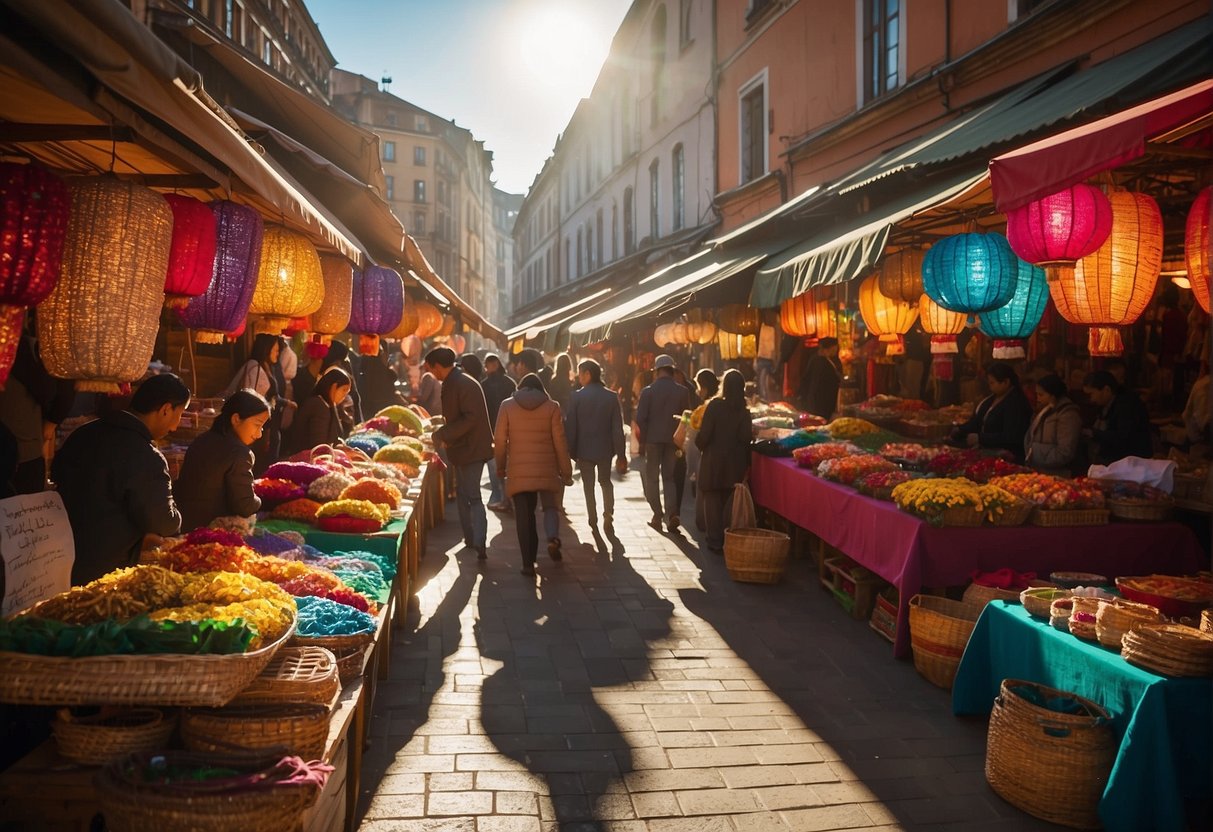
{"x":296,"y":674}
{"x":1147,"y":511}
{"x":1059,"y":613}
{"x":132,"y":805}
{"x":1070,"y":517}
{"x":1037,"y":599}
{"x":1051,"y":765}
{"x":1170,"y":649}
{"x":1206,"y":621}
{"x":1082,"y":616}
{"x":1115,"y":618}
{"x":960,"y":516}
{"x":97,"y":739}
{"x":348,"y":651}
{"x":1015,"y":514}
{"x":299,"y":729}
{"x":161,"y":679}
{"x":756,"y":556}
{"x":979,"y":595}
{"x":939,"y":630}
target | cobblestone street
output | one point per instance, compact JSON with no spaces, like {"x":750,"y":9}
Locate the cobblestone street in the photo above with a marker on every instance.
{"x":635,"y":688}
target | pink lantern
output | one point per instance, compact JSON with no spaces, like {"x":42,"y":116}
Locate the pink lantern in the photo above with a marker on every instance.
{"x":1062,"y":228}
{"x":191,"y":260}
{"x":458,"y":343}
{"x":411,"y":347}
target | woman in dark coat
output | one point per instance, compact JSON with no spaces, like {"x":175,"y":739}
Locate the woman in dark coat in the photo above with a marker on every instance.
{"x":319,"y":420}
{"x":1002,"y":418}
{"x":724,"y":441}
{"x":217,"y":475}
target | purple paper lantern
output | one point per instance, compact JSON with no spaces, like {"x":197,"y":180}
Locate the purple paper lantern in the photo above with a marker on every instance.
{"x":223,"y":307}
{"x":378,"y":301}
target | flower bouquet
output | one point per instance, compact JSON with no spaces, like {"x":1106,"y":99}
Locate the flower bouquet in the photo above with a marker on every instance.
{"x":847,"y":469}
{"x":301,"y":473}
{"x":303,"y":509}
{"x":273,"y":491}
{"x":847,"y":427}
{"x":813,"y":455}
{"x":376,"y":491}
{"x":989,"y":467}
{"x":880,"y":484}
{"x":951,"y":502}
{"x":352,"y":516}
{"x":910,"y":453}
{"x":329,"y":487}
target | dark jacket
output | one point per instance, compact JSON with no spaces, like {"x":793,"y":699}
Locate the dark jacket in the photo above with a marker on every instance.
{"x":659,"y":403}
{"x":318,"y":422}
{"x":529,"y":444}
{"x":724,"y":439}
{"x":376,"y":385}
{"x":116,"y":488}
{"x":1002,"y":425}
{"x":497,"y":388}
{"x":467,"y":434}
{"x":216,"y":480}
{"x":593,"y":424}
{"x":560,"y":389}
{"x":303,"y":384}
{"x":1123,"y":429}
{"x":819,"y":386}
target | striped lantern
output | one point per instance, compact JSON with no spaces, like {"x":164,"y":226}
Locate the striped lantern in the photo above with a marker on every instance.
{"x":430,"y":320}
{"x":739,"y":318}
{"x":734,"y":346}
{"x":377,"y":301}
{"x":289,"y":282}
{"x":1197,"y":245}
{"x":970,"y":273}
{"x":1010,"y":324}
{"x":409,"y":321}
{"x":225,"y":303}
{"x":901,"y":274}
{"x":884,"y":317}
{"x":191,"y":260}
{"x":334,"y":313}
{"x":943,"y":325}
{"x":1061,"y":228}
{"x":798,"y":315}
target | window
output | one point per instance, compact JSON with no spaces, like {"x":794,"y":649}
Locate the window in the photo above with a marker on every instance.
{"x":390,"y":184}
{"x":753,"y":127}
{"x":390,"y":118}
{"x":654,"y":201}
{"x":1023,"y":8}
{"x":419,"y":222}
{"x":389,"y":151}
{"x":755,"y":9}
{"x":580,"y":252}
{"x":881,"y":46}
{"x":589,"y":249}
{"x":614,"y":231}
{"x":419,"y":156}
{"x":657,"y":59}
{"x":267,"y":47}
{"x":678,"y":165}
{"x":568,"y":258}
{"x":629,"y":226}
{"x":598,"y":257}
{"x":418,"y":190}
{"x":421,"y":124}
{"x":684,"y":23}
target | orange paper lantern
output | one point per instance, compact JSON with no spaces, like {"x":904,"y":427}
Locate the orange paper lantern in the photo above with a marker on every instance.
{"x":430,"y":320}
{"x":734,"y":346}
{"x":333,"y":316}
{"x":798,"y":315}
{"x":884,"y":317}
{"x":409,"y":321}
{"x":943,"y":325}
{"x":1197,"y":245}
{"x":900,"y":275}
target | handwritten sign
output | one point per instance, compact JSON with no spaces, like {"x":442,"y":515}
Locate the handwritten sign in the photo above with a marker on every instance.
{"x":37,"y":548}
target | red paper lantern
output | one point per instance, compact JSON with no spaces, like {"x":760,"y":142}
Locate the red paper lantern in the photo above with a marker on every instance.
{"x":1062,"y":228}
{"x":1198,"y":245}
{"x":191,"y":260}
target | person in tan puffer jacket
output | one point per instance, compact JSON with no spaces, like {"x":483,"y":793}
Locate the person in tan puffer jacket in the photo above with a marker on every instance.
{"x":532,"y":456}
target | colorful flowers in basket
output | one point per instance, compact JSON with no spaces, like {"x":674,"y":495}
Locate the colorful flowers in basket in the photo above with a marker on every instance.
{"x":329,"y":487}
{"x":408,"y":421}
{"x":204,"y":550}
{"x":813,"y":455}
{"x":399,"y":454}
{"x":320,"y":617}
{"x":883,"y":401}
{"x":309,"y":586}
{"x":929,"y":498}
{"x":848,"y":427}
{"x":411,"y":442}
{"x":847,"y":469}
{"x":989,"y":467}
{"x":381,"y":424}
{"x":303,"y":509}
{"x":276,"y":491}
{"x":951,"y":462}
{"x":352,"y":516}
{"x":809,"y":420}
{"x":1053,"y":493}
{"x":881,"y":483}
{"x":368,"y":442}
{"x":910,"y":452}
{"x":376,"y":491}
{"x":302,"y":473}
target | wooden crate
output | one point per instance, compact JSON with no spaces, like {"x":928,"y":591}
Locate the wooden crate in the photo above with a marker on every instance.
{"x":853,"y":586}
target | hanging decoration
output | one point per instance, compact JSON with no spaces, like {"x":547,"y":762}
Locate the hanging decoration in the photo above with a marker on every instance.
{"x":458,"y":343}
{"x":943,"y":325}
{"x":409,"y":321}
{"x":99,"y":324}
{"x":884,"y":317}
{"x":970,"y":273}
{"x":36,"y":207}
{"x":334,"y":313}
{"x":901,"y":274}
{"x":289,"y":282}
{"x":431,"y":321}
{"x":410,"y":345}
{"x":191,"y":261}
{"x":741,"y":319}
{"x":1009,"y":325}
{"x":1111,"y":287}
{"x":1060,"y":229}
{"x":447,"y":328}
{"x":662,"y":335}
{"x":701,"y":332}
{"x":378,"y":301}
{"x":798,"y":315}
{"x":735,"y":346}
{"x":678,"y":333}
{"x":1197,"y":246}
{"x":225,"y":303}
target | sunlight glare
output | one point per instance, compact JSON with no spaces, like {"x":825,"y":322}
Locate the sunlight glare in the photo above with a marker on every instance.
{"x":558,"y":49}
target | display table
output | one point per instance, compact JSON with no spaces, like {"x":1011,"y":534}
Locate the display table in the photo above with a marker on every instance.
{"x":1164,"y":725}
{"x":910,"y":553}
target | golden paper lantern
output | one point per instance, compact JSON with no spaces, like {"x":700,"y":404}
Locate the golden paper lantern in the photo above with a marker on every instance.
{"x":1197,"y":245}
{"x":741,"y":319}
{"x":900,"y":276}
{"x":798,"y":315}
{"x":431,"y":321}
{"x":333,"y":316}
{"x":289,"y":283}
{"x":701,"y":332}
{"x":661,"y":335}
{"x":99,"y":324}
{"x":447,"y":327}
{"x":735,"y":346}
{"x":409,"y":321}
{"x":943,"y":325}
{"x":678,"y":333}
{"x":884,"y":317}
{"x":1113,"y":286}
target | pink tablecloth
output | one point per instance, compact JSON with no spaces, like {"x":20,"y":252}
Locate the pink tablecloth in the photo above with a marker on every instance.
{"x":911,"y":554}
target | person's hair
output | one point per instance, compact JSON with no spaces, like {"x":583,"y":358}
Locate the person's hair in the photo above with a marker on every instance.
{"x":529,"y":358}
{"x":332,"y":377}
{"x":492,"y":357}
{"x":336,"y":354}
{"x":564,"y":366}
{"x":531,"y":382}
{"x":827,"y":342}
{"x":1002,"y":372}
{"x":1053,"y":385}
{"x":707,"y":381}
{"x":592,"y":367}
{"x":470,"y":362}
{"x":245,"y":403}
{"x":263,"y":344}
{"x":1100,"y":379}
{"x":732,"y":389}
{"x":158,"y":391}
{"x":440,"y":357}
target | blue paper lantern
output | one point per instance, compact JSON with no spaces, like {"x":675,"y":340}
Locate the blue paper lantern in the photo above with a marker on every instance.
{"x":970,"y":273}
{"x":1009,"y":324}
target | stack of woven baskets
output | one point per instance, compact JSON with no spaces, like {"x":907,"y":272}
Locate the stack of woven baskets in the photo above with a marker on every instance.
{"x":1170,"y":649}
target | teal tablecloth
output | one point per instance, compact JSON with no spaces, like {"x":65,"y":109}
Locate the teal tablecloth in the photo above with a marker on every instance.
{"x":383,"y":542}
{"x":1164,"y":725}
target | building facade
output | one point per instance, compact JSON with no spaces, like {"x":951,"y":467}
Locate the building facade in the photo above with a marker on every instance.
{"x":505,"y":214}
{"x":633,"y":173}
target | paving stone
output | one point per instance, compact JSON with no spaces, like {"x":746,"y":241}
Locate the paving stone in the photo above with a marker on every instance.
{"x":459,"y":803}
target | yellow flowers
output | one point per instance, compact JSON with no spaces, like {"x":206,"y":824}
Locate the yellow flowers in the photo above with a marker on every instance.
{"x":931,"y":497}
{"x":361,"y":509}
{"x":848,"y":428}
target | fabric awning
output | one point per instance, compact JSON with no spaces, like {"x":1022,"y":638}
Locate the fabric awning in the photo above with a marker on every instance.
{"x":1051,"y":164}
{"x":539,"y":324}
{"x":471,"y":318}
{"x":850,"y":249}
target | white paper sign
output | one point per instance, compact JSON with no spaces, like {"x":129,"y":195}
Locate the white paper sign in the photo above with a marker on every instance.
{"x":37,"y":548}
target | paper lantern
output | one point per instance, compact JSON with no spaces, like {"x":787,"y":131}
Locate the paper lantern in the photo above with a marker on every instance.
{"x":448,"y":327}
{"x":377,"y":301}
{"x":970,"y":272}
{"x":191,"y":260}
{"x":458,"y":343}
{"x":1010,"y":324}
{"x":884,"y":317}
{"x":334,"y":313}
{"x":1061,"y":228}
{"x":735,"y":346}
{"x":409,"y":321}
{"x":662,"y":335}
{"x":943,"y":325}
{"x":1197,"y":245}
{"x":36,"y":207}
{"x":1111,"y":287}
{"x":289,"y":282}
{"x":99,"y":324}
{"x":740,"y":319}
{"x":900,"y":275}
{"x":678,"y":333}
{"x":410,"y":345}
{"x":701,"y":332}
{"x":225,"y":303}
{"x":798,"y":315}
{"x":431,"y":322}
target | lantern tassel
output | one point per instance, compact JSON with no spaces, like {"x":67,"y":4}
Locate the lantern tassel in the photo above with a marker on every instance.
{"x":176,"y":301}
{"x":896,"y":344}
{"x":1008,"y":348}
{"x":209,"y":336}
{"x":1105,"y":340}
{"x":944,"y":345}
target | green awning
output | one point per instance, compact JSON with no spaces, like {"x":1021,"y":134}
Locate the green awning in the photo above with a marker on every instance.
{"x":849,"y":249}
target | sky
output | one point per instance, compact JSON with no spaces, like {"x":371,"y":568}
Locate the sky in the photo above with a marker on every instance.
{"x":511,"y":71}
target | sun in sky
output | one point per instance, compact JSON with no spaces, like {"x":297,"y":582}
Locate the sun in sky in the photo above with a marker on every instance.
{"x":558,"y":47}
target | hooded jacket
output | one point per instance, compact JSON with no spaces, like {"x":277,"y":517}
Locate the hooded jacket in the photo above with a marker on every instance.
{"x":531,"y":451}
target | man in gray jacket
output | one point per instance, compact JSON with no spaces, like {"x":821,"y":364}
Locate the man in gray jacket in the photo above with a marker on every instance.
{"x":594,"y":427}
{"x":657,"y":413}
